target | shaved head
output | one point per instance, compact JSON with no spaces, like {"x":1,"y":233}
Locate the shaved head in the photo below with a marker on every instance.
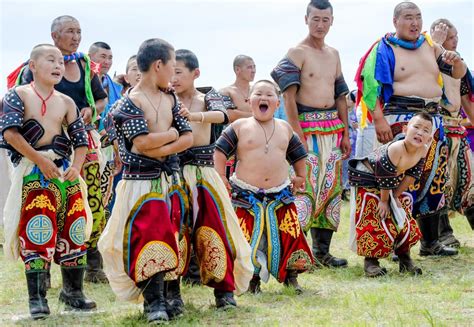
{"x":39,"y":49}
{"x":240,"y":60}
{"x":402,"y":6}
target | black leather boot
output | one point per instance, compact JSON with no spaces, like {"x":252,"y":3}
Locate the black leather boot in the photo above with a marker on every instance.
{"x":446,"y":233}
{"x":224,"y":299}
{"x":321,"y":243}
{"x":174,"y":302}
{"x":372,"y":268}
{"x":430,"y":244}
{"x":71,"y":294}
{"x":155,"y":304}
{"x":291,"y":280}
{"x":94,"y":272}
{"x":193,"y":275}
{"x":36,"y":282}
{"x":407,"y":265}
{"x":469,"y":212}
{"x":254,"y":285}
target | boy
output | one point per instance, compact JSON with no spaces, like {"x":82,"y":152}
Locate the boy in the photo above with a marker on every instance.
{"x":46,"y":216}
{"x":139,"y":244}
{"x":261,"y":188}
{"x":381,"y":219}
{"x":212,"y":212}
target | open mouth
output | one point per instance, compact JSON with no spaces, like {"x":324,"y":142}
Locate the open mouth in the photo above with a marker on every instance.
{"x":56,"y":74}
{"x":263,"y":108}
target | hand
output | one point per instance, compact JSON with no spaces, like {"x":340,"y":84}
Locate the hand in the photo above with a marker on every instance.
{"x":298,"y":184}
{"x":117,"y":164}
{"x":440,"y":33}
{"x":183,"y":111}
{"x":383,"y":209}
{"x":345,"y":147}
{"x":71,"y":174}
{"x":86,"y":114}
{"x":49,"y":169}
{"x":451,"y":57}
{"x":383,"y":130}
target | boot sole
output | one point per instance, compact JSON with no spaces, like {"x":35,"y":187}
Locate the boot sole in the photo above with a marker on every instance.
{"x":41,"y":315}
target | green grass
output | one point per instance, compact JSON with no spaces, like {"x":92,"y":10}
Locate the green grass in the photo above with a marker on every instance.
{"x":442,"y":296}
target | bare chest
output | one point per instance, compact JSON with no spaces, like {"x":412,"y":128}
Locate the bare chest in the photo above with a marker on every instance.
{"x":52,"y":118}
{"x":319,"y":66}
{"x":158,"y":118}
{"x":412,"y":63}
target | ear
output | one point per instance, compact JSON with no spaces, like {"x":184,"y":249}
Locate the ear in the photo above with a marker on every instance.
{"x":157,"y":65}
{"x":332,"y":20}
{"x":196,"y":73}
{"x":55,"y":36}
{"x":32,"y":65}
{"x":404,"y":128}
{"x":395,"y":21}
{"x":306,"y":19}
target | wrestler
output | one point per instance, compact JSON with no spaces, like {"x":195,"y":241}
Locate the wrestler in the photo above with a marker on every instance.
{"x":381,"y":220}
{"x":314,"y":90}
{"x":46,"y":217}
{"x":221,"y":250}
{"x":261,"y":196}
{"x":139,"y":244}
{"x":401,"y":73}
{"x":459,"y":189}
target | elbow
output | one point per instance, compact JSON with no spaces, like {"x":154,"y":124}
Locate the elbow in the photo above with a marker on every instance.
{"x":140,"y":143}
{"x":186,"y":141}
{"x":9,"y":135}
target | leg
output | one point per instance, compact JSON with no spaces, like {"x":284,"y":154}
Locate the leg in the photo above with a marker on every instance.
{"x":321,"y":243}
{"x":430,"y":244}
{"x":446,"y":233}
{"x":154,"y":304}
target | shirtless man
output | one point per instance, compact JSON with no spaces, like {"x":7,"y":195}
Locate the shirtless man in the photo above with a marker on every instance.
{"x":244,"y":69}
{"x":205,"y":109}
{"x":415,"y":63}
{"x":149,"y":131}
{"x":459,"y":190}
{"x":314,"y":91}
{"x":261,"y":189}
{"x":46,"y":191}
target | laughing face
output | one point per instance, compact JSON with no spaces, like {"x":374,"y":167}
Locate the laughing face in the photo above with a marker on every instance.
{"x":408,"y":24}
{"x":264,"y":101}
{"x":418,"y":132}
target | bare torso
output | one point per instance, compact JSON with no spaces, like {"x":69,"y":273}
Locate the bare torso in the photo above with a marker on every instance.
{"x":452,"y":88}
{"x":201,"y":131}
{"x":55,"y":116}
{"x":238,"y":98}
{"x":158,"y":114}
{"x":254,"y":166}
{"x":319,"y":70}
{"x":416,"y":72}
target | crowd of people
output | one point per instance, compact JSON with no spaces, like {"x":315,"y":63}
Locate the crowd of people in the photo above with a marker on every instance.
{"x":144,"y":180}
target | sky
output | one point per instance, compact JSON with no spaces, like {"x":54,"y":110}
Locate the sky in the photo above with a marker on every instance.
{"x":216,"y":30}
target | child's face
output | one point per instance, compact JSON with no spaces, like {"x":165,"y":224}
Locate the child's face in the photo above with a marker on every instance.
{"x":49,"y":66}
{"x":418,"y":132}
{"x":133,"y":74}
{"x":264,"y":101}
{"x":166,"y":71}
{"x":183,"y":78}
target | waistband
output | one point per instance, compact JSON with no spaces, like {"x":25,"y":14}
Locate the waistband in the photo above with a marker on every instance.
{"x":198,"y":156}
{"x":303,"y":109}
{"x":248,"y":187}
{"x":137,"y":167}
{"x":400,"y":105}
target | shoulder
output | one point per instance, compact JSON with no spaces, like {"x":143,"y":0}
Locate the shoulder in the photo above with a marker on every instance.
{"x":333,"y":51}
{"x":228,"y":90}
{"x":283,"y":126}
{"x":66,"y":100}
{"x":395,"y":151}
{"x":297,"y":55}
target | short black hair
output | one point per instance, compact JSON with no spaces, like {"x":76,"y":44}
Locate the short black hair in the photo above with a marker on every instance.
{"x":99,"y":45}
{"x":318,"y":4}
{"x":265,"y":81}
{"x":188,"y":58}
{"x":240,"y":59}
{"x":152,"y":50}
{"x":38,"y":50}
{"x":425,"y":116}
{"x":402,"y":6}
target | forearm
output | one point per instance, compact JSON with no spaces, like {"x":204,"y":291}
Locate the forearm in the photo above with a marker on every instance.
{"x":79,"y":157}
{"x":403,"y":186}
{"x":209,"y":117}
{"x":300,"y":167}
{"x":459,"y":69}
{"x":468,"y":108}
{"x":384,"y":195}
{"x":152,"y":141}
{"x":235,"y":114}
{"x":220,"y":162}
{"x":292,"y":115}
{"x":341,"y":106}
{"x":184,"y":142}
{"x":100,"y":105}
{"x":16,"y":140}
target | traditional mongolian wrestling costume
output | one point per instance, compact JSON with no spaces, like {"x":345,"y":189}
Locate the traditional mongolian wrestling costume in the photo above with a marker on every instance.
{"x":371,"y":236}
{"x":140,"y":242}
{"x":320,"y":205}
{"x":222,"y":252}
{"x":269,"y":221}
{"x":375,"y":81}
{"x":85,"y":93}
{"x":459,"y":184}
{"x":46,"y":220}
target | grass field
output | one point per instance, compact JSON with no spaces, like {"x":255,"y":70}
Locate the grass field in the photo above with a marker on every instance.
{"x":442,"y":296}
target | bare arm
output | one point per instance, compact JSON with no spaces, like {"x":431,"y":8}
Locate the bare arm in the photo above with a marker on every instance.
{"x":219,"y":165}
{"x":382,"y":128}
{"x":235,"y":114}
{"x":292,"y":112}
{"x":211,"y":117}
{"x":403,"y":186}
{"x":184,"y":142}
{"x":468,"y":108}
{"x":152,"y":141}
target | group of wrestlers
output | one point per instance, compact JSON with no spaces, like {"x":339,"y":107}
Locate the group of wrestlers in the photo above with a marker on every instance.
{"x":144,"y":179}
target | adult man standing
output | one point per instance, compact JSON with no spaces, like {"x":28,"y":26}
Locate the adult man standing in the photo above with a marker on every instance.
{"x":244,"y":69}
{"x":401,"y":73}
{"x":459,"y":191}
{"x":314,"y":91}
